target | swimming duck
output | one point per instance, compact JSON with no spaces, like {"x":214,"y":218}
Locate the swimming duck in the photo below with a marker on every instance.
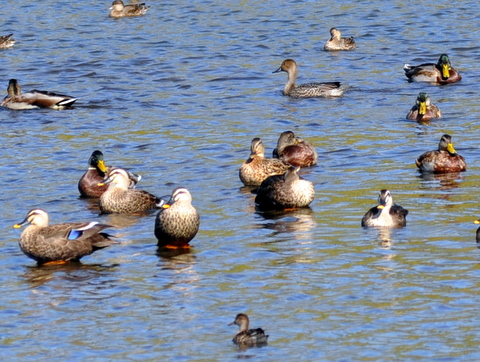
{"x":6,"y":41}
{"x":424,"y":109}
{"x":247,"y":336}
{"x":120,"y":10}
{"x":257,"y":168}
{"x":178,"y":221}
{"x":34,"y":99}
{"x":283,"y":192}
{"x":96,"y":173}
{"x":336,"y":42}
{"x":443,"y":160}
{"x":478,"y":231}
{"x":386,"y":214}
{"x":120,"y":199}
{"x":295,"y":151}
{"x":60,"y":242}
{"x":329,"y":89}
{"x":441,"y":73}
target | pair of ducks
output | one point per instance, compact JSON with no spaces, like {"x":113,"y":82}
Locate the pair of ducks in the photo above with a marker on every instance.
{"x":120,"y":10}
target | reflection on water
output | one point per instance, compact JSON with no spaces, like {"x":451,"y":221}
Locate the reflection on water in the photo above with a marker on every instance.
{"x":297,"y":222}
{"x":442,"y":181}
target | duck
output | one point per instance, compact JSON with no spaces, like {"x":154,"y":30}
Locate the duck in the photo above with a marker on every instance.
{"x":247,"y":336}
{"x":120,"y":199}
{"x":60,"y":243}
{"x":284,"y":192}
{"x":336,"y":42}
{"x":120,"y":10}
{"x":295,"y":151}
{"x":178,"y":221}
{"x":97,"y":171}
{"x":442,"y":72}
{"x":478,"y":231}
{"x":386,"y":213}
{"x":443,"y":160}
{"x":424,"y":109}
{"x":6,"y":41}
{"x":34,"y":99}
{"x":257,"y":168}
{"x":328,"y":89}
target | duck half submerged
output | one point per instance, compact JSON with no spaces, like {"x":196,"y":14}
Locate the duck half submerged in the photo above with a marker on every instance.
{"x":247,"y":336}
{"x":336,"y":42}
{"x":442,"y":72}
{"x":443,"y":160}
{"x":308,"y":90}
{"x":424,"y":109}
{"x":386,"y":213}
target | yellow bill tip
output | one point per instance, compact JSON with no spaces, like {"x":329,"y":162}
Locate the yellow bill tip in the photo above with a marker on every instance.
{"x":17,"y":226}
{"x":101,"y":184}
{"x":476,"y":222}
{"x":380,"y":207}
{"x":166,"y":206}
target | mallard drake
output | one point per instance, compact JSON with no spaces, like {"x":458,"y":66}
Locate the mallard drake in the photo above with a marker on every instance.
{"x":257,"y":168}
{"x":6,"y":41}
{"x":336,"y":42}
{"x":178,"y":221}
{"x":424,"y":109}
{"x":443,"y":160}
{"x":97,"y":171}
{"x":120,"y":10}
{"x":386,"y":214}
{"x":120,"y":199}
{"x":283,"y":192}
{"x":328,"y":89}
{"x":441,"y":73}
{"x":61,"y":242}
{"x":247,"y":336}
{"x":295,"y":151}
{"x":34,"y":99}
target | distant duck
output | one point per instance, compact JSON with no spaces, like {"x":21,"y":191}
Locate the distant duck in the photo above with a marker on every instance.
{"x":441,"y":73}
{"x":386,"y":214}
{"x":257,"y":168}
{"x":120,"y":199}
{"x":478,"y":231}
{"x":247,"y":336}
{"x":336,"y":42}
{"x":34,"y":99}
{"x":97,"y":171}
{"x":295,"y":151}
{"x":328,"y":89}
{"x":60,"y":242}
{"x":443,"y":160}
{"x":120,"y":10}
{"x":424,"y":109}
{"x":283,"y":192}
{"x":6,"y":41}
{"x":178,"y":221}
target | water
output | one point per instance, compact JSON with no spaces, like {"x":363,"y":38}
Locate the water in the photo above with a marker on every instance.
{"x":177,"y":96}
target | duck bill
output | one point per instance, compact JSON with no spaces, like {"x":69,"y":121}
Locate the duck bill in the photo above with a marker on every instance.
{"x":422,"y":108}
{"x":476,"y":222}
{"x":381,"y":207}
{"x":101,"y":166}
{"x":445,"y":71}
{"x":20,"y":224}
{"x":278,"y":70}
{"x":450,"y":149}
{"x":105,"y":182}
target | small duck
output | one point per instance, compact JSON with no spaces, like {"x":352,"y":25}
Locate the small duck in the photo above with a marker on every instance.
{"x":443,"y":160}
{"x":442,"y":72}
{"x":34,"y":99}
{"x":295,"y":151}
{"x":60,"y":242}
{"x":424,"y":109}
{"x":97,"y":171}
{"x":120,"y":10}
{"x":329,"y":89}
{"x":247,"y":336}
{"x":478,"y":231}
{"x":283,"y":192}
{"x":6,"y":41}
{"x":386,"y":214}
{"x":336,"y":42}
{"x":178,"y":221}
{"x":257,"y":168}
{"x":120,"y":199}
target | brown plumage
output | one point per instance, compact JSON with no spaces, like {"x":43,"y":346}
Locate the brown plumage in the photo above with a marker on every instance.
{"x":386,"y":214}
{"x":247,"y":336}
{"x":6,"y":41}
{"x":120,"y":10}
{"x":443,"y":160}
{"x":441,"y":73}
{"x":336,"y":42}
{"x":61,"y":242}
{"x":295,"y":151}
{"x":257,"y":168}
{"x":424,"y":109}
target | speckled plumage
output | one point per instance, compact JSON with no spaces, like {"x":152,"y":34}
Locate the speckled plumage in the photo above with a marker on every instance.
{"x":6,"y":41}
{"x":295,"y":151}
{"x":443,"y":160}
{"x":247,"y":336}
{"x":120,"y":10}
{"x":328,"y":89}
{"x":286,"y":191}
{"x":257,"y":168}
{"x":336,"y":42}
{"x":61,"y":242}
{"x":424,"y":109}
{"x":442,"y":72}
{"x":178,"y":221}
{"x":386,"y":214}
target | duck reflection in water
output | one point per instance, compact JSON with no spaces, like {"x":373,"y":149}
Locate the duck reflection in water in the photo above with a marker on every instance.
{"x":441,"y":181}
{"x":299,"y":221}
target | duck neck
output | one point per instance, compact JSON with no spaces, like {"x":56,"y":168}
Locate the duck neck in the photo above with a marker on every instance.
{"x":292,"y":77}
